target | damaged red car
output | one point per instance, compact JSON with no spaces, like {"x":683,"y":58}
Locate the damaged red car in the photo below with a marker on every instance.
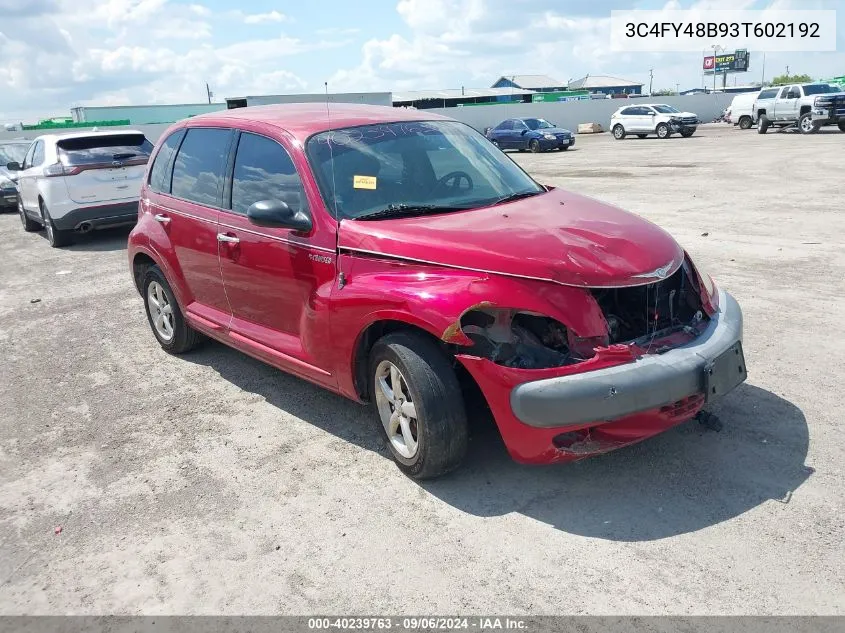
{"x":391,"y":256}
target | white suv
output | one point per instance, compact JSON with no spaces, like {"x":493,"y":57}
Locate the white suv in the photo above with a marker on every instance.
{"x":81,"y":181}
{"x":652,"y":118}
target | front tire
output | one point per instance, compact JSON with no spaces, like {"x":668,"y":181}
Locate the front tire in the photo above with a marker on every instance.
{"x":806,"y":125}
{"x":762,"y":124}
{"x":842,"y":126}
{"x":164,"y":315}
{"x":534,"y":146}
{"x":29,"y":225}
{"x":419,"y":404}
{"x":662,"y":130}
{"x":687,"y":133}
{"x":56,"y":237}
{"x":618,"y":132}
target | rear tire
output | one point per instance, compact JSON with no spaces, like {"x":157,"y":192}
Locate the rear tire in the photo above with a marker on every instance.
{"x":29,"y":225}
{"x":164,"y":315}
{"x":425,"y":420}
{"x":744,"y":122}
{"x":762,"y":124}
{"x":662,"y":130}
{"x":618,"y":132}
{"x":56,"y":237}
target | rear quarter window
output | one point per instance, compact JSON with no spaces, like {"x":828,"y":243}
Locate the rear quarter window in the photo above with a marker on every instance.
{"x":89,"y":150}
{"x":161,"y":170}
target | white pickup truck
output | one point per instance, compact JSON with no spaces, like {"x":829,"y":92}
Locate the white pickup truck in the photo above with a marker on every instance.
{"x":809,"y":106}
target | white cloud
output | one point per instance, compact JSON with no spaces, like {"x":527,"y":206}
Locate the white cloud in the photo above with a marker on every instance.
{"x":263,"y":18}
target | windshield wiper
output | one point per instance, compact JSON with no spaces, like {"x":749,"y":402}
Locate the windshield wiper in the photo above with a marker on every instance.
{"x":404,"y":210}
{"x":516,"y":196}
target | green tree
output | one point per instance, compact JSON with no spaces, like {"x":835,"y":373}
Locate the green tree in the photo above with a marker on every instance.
{"x":791,"y":79}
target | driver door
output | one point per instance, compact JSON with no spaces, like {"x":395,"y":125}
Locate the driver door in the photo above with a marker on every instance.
{"x":786,"y":104}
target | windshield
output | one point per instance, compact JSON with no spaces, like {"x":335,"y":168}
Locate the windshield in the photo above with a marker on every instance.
{"x":538,"y":124}
{"x":436,"y":165}
{"x":12,"y":153}
{"x":818,"y":89}
{"x":665,"y":109}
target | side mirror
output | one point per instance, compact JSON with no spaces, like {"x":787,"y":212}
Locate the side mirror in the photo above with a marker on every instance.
{"x":524,"y":132}
{"x":277,"y":214}
{"x":14,"y":166}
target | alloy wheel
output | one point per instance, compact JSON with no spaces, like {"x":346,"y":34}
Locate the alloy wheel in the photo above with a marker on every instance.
{"x":396,"y":409}
{"x":161,"y":311}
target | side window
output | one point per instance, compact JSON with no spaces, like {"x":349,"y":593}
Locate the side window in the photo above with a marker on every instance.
{"x":27,"y":161}
{"x":38,"y":155}
{"x":161,"y":170}
{"x":264,"y":171}
{"x":628,"y":111}
{"x":198,"y":168}
{"x":505,"y":125}
{"x":784,"y":92}
{"x":519,"y":125}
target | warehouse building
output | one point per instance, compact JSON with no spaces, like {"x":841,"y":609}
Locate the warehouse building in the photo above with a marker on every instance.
{"x":535,"y":83}
{"x":142,"y":114}
{"x":449,"y":98}
{"x":605,"y":84}
{"x":369,"y":98}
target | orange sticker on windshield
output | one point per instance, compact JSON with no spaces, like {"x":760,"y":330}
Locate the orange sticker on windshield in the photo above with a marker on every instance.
{"x":364,"y":182}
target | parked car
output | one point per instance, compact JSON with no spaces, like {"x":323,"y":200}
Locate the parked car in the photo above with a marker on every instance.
{"x":536,"y":135}
{"x":652,"y":118}
{"x":393,"y":255}
{"x":10,"y":152}
{"x":809,"y":106}
{"x":81,"y":181}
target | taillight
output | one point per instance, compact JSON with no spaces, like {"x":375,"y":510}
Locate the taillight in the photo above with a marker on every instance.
{"x":60,"y":170}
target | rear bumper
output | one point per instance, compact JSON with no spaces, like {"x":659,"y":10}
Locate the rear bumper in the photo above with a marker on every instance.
{"x":98,"y":217}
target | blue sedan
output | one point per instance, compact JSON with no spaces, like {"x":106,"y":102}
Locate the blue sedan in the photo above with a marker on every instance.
{"x":536,"y":135}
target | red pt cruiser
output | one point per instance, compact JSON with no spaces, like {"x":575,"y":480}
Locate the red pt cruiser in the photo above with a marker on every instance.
{"x":390,"y":255}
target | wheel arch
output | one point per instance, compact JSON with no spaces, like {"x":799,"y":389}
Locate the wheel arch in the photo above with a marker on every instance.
{"x":804,"y":110}
{"x":368,"y":337}
{"x":141,"y":262}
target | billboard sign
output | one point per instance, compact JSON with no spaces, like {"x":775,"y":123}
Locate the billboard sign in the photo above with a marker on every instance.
{"x":736,"y":62}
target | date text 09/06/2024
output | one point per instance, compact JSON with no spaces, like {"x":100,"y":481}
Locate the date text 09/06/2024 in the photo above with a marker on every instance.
{"x":491,"y":623}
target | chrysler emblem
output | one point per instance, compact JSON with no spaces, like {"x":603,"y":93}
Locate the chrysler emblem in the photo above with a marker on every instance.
{"x":660,"y":273}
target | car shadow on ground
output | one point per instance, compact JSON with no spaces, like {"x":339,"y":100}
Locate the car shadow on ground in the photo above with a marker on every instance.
{"x":682,"y":481}
{"x":101,"y":241}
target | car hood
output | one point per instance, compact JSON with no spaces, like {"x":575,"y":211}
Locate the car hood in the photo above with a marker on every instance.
{"x":684,"y":114}
{"x":556,"y":236}
{"x":554,"y":130}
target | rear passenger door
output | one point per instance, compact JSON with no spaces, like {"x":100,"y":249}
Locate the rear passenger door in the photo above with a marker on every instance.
{"x":186,"y":197}
{"x":270,"y":274}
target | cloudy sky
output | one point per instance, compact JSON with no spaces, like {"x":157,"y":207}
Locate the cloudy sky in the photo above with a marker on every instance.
{"x":55,"y":54}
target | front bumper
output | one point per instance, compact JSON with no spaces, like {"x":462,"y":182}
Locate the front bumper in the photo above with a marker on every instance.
{"x":825,"y":115}
{"x":547,"y":143}
{"x":611,"y":406}
{"x":650,"y":382}
{"x":8,"y":198}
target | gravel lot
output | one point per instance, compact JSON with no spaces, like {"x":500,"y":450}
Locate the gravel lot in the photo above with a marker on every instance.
{"x":214,"y":484}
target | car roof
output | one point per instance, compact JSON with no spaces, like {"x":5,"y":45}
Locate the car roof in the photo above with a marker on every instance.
{"x":302,"y":120}
{"x":83,"y":134}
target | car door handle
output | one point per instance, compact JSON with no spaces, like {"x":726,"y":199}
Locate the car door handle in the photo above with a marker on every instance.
{"x":229,"y":239}
{"x":162,"y":219}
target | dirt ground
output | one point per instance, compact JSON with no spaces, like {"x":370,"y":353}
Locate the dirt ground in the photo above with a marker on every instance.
{"x":213,"y":484}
